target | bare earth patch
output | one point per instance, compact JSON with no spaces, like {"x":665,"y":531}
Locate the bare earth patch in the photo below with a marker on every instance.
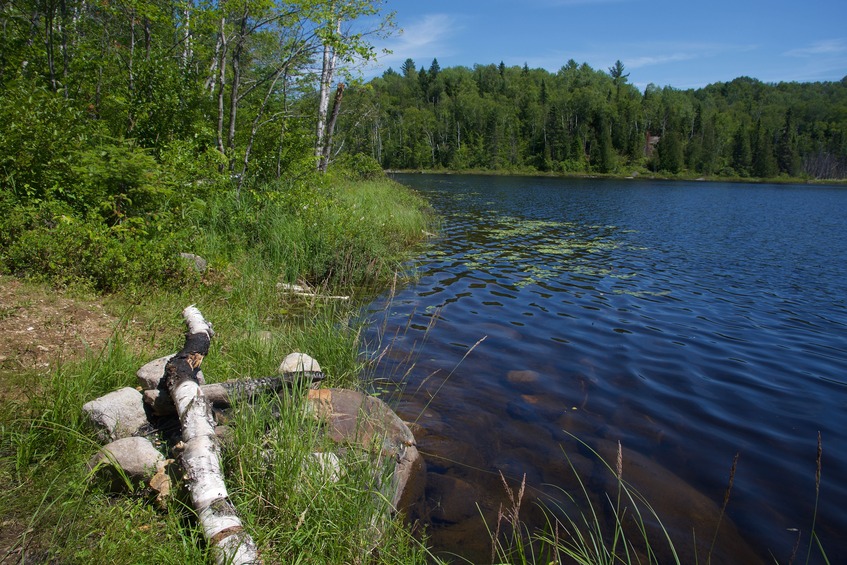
{"x":41,"y":327}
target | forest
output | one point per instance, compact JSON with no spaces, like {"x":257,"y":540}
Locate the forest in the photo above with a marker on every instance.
{"x":113,"y":103}
{"x":121,"y":120}
{"x":583,"y":120}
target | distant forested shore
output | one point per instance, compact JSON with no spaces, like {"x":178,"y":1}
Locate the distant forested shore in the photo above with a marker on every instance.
{"x":580,"y":120}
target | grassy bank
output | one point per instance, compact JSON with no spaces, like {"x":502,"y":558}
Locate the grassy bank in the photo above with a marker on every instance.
{"x":340,"y":237}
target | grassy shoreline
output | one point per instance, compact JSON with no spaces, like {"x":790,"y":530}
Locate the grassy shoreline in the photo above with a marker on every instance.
{"x":345,"y":236}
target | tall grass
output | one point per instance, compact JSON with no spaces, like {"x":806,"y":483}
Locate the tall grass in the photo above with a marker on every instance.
{"x":347,"y":234}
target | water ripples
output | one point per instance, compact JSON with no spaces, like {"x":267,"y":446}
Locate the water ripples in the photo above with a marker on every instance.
{"x":646,"y":314}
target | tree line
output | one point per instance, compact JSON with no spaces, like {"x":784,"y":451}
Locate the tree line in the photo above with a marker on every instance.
{"x":580,"y":119}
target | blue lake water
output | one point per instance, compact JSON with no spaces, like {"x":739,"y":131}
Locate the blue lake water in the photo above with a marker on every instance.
{"x":554,"y":318}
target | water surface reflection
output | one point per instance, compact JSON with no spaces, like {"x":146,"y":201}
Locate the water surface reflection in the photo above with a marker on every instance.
{"x":689,"y":322}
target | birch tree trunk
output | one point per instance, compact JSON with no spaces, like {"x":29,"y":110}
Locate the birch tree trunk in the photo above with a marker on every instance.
{"x":326,"y":150}
{"x":221,"y":80}
{"x":327,"y":72}
{"x":201,"y":453}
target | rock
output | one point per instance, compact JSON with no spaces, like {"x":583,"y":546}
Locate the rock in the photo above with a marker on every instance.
{"x":524,"y":377}
{"x":324,"y":466}
{"x":455,"y":499}
{"x":685,"y":513}
{"x":200,"y":265}
{"x":135,"y":456}
{"x":298,"y":363}
{"x":117,"y":415}
{"x":150,"y":374}
{"x":225,"y":435}
{"x":354,"y":418}
{"x":265,"y":336}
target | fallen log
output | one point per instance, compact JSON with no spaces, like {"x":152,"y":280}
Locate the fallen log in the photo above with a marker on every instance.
{"x":222,"y":395}
{"x":200,"y":455}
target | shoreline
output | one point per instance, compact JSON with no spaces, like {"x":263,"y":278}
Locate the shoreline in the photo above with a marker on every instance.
{"x":636,"y":176}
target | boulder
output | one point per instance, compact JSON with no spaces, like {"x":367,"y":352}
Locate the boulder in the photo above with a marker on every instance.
{"x":150,"y":374}
{"x":135,"y":457}
{"x":298,"y":363}
{"x":117,"y":415}
{"x":355,"y":418}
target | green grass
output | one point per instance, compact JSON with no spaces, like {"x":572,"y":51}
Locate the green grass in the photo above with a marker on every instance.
{"x":53,"y":511}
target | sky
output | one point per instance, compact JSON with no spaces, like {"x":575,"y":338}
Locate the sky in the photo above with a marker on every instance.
{"x":683,"y":44}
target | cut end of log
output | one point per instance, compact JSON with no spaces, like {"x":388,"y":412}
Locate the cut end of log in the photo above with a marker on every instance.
{"x":196,"y":322}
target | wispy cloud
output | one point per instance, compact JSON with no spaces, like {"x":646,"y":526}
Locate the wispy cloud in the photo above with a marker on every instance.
{"x":638,"y":55}
{"x":427,"y":37}
{"x":825,"y":47}
{"x":651,"y":60}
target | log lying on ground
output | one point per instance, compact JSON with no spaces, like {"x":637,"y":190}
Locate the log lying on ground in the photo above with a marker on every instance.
{"x":221,"y":395}
{"x":201,"y":452}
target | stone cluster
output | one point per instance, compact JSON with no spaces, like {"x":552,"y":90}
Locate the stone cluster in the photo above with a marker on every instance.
{"x":124,"y":420}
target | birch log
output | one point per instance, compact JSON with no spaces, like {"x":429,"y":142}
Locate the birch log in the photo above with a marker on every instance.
{"x":221,"y":395}
{"x":201,"y":453}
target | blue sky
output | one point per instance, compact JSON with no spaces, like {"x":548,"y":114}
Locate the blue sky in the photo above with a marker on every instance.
{"x":680,"y":44}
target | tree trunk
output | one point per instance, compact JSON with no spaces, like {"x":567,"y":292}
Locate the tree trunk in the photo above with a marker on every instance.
{"x":327,"y":145}
{"x":236,"y":84}
{"x":221,"y":80}
{"x":200,"y":457}
{"x":187,"y":52}
{"x":327,"y":72}
{"x":221,"y":395}
{"x":48,"y":46}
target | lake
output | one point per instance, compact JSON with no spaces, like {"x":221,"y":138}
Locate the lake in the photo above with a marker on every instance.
{"x":554,"y":318}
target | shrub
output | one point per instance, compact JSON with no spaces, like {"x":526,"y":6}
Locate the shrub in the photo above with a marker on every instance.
{"x":47,"y":243}
{"x":360,"y":167}
{"x":41,"y":133}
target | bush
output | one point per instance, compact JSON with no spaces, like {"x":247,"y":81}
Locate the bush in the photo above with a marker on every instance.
{"x":360,"y":167}
{"x":118,"y":180}
{"x":47,"y":243}
{"x":41,"y":134}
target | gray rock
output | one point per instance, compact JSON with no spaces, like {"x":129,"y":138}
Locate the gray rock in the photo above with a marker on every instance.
{"x":150,"y":374}
{"x":323,"y":467}
{"x":136,"y":457}
{"x":298,"y":363}
{"x":200,"y":264}
{"x":118,"y":414}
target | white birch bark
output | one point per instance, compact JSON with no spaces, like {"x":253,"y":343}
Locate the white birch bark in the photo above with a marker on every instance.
{"x":201,"y":453}
{"x":327,"y":72}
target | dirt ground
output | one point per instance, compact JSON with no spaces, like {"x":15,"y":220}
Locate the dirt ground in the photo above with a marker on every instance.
{"x":41,"y":327}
